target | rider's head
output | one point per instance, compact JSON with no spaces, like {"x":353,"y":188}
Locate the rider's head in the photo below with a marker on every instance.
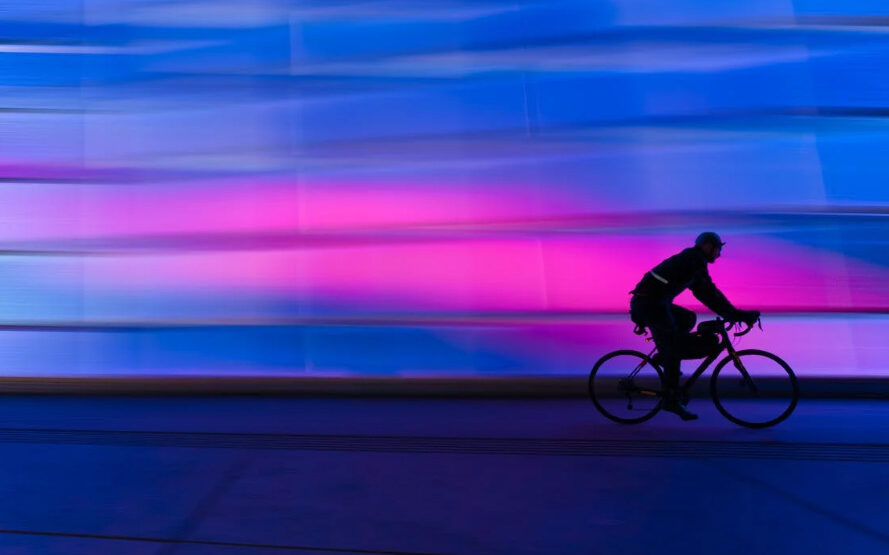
{"x":711,"y":244}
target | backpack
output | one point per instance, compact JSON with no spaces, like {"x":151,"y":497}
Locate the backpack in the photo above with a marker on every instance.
{"x":699,"y":344}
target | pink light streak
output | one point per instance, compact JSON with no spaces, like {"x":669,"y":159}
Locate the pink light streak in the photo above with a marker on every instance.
{"x":588,"y":274}
{"x":64,"y":211}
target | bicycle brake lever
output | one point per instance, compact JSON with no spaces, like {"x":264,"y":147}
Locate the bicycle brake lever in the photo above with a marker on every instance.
{"x":745,"y":332}
{"x":759,"y":323}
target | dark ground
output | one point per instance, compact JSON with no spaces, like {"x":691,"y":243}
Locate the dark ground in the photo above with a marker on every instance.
{"x":238,"y":475}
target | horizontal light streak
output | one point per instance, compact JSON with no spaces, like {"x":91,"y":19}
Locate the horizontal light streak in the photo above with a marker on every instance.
{"x":648,"y":57}
{"x":553,"y":273}
{"x":158,"y":47}
{"x":814,"y":347}
{"x":423,"y":319}
{"x":162,"y":242}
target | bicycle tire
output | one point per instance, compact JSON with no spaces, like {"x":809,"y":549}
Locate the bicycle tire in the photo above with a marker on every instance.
{"x":595,"y":394}
{"x":792,"y":386}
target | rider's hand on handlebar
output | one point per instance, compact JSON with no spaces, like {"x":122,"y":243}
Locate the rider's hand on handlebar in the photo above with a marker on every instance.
{"x":751,"y":316}
{"x":748,"y":317}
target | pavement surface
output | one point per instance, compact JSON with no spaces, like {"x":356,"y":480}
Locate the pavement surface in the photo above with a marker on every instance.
{"x":237,"y":475}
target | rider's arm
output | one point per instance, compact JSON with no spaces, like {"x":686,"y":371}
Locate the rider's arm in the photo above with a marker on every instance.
{"x":706,"y":291}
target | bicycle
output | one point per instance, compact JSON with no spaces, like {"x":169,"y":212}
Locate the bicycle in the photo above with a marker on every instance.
{"x":631,"y":378}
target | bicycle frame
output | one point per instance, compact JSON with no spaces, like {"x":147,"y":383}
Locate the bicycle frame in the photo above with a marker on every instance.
{"x":725,"y":345}
{"x":722,"y":386}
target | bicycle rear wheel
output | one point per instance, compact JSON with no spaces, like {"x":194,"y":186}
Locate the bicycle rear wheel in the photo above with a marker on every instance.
{"x":763,"y":394}
{"x":626,"y":387}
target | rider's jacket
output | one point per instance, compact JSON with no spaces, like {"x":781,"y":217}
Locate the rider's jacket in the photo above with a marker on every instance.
{"x":686,"y":270}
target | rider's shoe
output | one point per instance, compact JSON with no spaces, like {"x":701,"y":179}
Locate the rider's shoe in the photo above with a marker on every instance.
{"x":672,"y":404}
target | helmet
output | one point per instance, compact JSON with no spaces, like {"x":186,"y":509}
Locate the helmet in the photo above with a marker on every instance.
{"x":708,"y":237}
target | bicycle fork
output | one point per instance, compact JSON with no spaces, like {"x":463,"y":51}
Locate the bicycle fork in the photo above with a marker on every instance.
{"x":746,"y":380}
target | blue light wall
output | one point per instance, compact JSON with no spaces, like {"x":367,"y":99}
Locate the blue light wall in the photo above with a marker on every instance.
{"x":439,"y":187}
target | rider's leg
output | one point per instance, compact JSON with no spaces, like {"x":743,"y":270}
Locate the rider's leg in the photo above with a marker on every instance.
{"x":685,"y":319}
{"x":668,"y":347}
{"x":685,"y":322}
{"x":668,"y":338}
{"x":659,"y":319}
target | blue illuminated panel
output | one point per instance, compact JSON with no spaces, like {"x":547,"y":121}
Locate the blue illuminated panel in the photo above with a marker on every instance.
{"x":437,"y":187}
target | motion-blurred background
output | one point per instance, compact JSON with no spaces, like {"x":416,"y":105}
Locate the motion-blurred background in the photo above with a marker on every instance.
{"x":436,"y":187}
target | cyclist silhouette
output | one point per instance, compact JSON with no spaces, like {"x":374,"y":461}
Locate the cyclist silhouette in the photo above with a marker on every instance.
{"x":652,"y":307}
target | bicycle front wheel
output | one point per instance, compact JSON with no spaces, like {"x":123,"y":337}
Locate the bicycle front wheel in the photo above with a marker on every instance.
{"x":759,"y":391}
{"x":626,"y":387}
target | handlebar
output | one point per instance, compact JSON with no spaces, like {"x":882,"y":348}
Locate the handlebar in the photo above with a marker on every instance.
{"x":712,"y":326}
{"x":730,"y":324}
